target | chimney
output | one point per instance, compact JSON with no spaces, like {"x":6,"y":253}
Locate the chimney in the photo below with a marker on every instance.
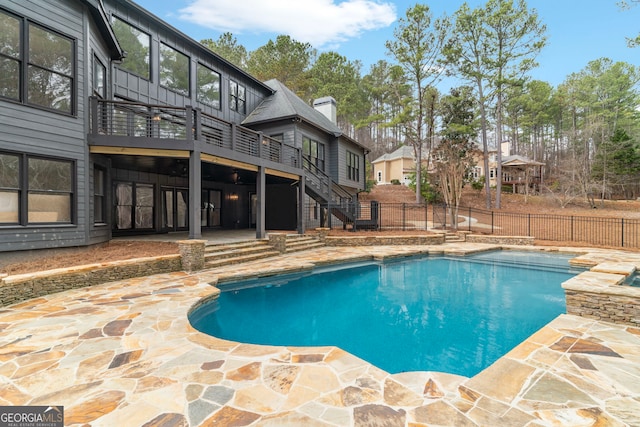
{"x":326,"y":106}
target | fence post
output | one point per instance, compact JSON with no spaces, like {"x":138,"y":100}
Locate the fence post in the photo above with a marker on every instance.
{"x":622,"y":235}
{"x":572,"y":228}
{"x":403,"y":216}
{"x":426,"y":216}
{"x":491,"y":222}
{"x":469,"y":218}
{"x":529,"y":225}
{"x":444,"y":217}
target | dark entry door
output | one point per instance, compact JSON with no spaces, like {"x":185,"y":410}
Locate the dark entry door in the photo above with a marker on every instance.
{"x":211,"y":208}
{"x":175,"y":209}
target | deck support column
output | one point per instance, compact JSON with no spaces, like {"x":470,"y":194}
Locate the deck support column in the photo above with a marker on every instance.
{"x":301,"y":210}
{"x":260,"y":203}
{"x":195,"y":193}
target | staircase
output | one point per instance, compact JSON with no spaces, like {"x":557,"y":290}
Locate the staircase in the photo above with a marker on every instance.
{"x":341,"y":203}
{"x":301,"y":242}
{"x":216,"y":255}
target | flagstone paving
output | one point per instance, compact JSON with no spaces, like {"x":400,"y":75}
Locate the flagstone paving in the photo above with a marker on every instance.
{"x":124,"y":354}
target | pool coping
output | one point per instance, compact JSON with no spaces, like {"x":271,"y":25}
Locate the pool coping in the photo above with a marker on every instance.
{"x":124,"y":353}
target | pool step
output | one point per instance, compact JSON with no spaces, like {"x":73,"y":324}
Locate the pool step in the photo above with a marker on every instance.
{"x":302,"y":242}
{"x":216,"y":255}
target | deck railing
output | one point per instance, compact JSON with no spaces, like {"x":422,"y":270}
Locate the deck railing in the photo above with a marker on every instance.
{"x":588,"y":230}
{"x":139,"y":120}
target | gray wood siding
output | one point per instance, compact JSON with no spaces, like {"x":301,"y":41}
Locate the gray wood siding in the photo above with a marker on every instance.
{"x":342,"y":146}
{"x":133,"y":87}
{"x":35,"y":131}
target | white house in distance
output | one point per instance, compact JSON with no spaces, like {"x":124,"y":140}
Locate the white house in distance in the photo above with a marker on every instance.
{"x":397,"y":165}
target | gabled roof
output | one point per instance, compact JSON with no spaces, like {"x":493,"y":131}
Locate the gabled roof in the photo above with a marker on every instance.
{"x":516,"y":160}
{"x":102,"y":21}
{"x":404,"y":152}
{"x":284,"y":104}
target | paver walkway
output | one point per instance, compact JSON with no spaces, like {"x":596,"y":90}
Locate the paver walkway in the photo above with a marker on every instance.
{"x":124,"y":354}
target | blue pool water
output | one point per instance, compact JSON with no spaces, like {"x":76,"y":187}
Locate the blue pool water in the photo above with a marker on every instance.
{"x":449,"y":314}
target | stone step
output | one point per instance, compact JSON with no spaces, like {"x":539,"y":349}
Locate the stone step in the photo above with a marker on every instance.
{"x":238,"y":259}
{"x":232,"y":251}
{"x":301,"y":242}
{"x":223,"y":247}
{"x":304,"y":246}
{"x":452,"y":238}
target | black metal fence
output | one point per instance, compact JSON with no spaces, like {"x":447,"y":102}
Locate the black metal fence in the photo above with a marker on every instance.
{"x":601,"y":231}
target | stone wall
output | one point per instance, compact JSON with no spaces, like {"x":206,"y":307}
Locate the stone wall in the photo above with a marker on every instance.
{"x":499,"y":240}
{"x":383,"y":240}
{"x":22,"y":287}
{"x":192,"y":253}
{"x":606,"y":300}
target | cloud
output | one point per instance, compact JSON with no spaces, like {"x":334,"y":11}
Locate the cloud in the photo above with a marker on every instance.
{"x":318,"y":22}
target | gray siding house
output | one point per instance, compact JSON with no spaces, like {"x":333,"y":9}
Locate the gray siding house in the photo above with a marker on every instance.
{"x":112,"y":122}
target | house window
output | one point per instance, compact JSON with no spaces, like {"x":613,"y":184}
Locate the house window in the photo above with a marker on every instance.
{"x":313,"y":152}
{"x":10,"y":56}
{"x":379,"y":176}
{"x":492,"y":173}
{"x":99,"y":78}
{"x":47,"y":183}
{"x":134,"y":206}
{"x":137,"y":44}
{"x":36,"y":67}
{"x":9,"y":189}
{"x":353,"y":166}
{"x":237,"y":97}
{"x":99,"y":195}
{"x":208,"y":86}
{"x":49,"y":190}
{"x":174,"y":69}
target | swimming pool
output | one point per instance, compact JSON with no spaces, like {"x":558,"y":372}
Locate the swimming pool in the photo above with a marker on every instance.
{"x":436,"y":313}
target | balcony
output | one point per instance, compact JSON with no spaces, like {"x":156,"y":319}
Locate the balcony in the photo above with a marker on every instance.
{"x":134,"y":124}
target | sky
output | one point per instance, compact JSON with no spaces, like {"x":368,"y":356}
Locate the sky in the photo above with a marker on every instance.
{"x":578,"y":31}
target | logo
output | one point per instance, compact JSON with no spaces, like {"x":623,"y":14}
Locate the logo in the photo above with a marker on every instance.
{"x":31,"y":416}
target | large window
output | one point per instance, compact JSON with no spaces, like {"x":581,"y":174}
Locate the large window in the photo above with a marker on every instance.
{"x":237,"y":97}
{"x":353,"y":166}
{"x":174,"y":69}
{"x":137,"y":44}
{"x":208,"y":86}
{"x":36,"y":67}
{"x":47,"y":183}
{"x":9,"y":188}
{"x":99,"y":80}
{"x":10,"y":56}
{"x":314,"y":151}
{"x":49,"y":190}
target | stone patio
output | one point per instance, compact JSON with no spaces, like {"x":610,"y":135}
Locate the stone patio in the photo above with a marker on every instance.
{"x":124,"y":354}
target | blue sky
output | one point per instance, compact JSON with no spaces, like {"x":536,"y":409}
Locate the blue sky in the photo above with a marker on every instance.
{"x":578,"y":31}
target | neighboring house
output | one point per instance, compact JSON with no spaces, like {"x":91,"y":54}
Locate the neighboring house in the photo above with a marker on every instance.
{"x":516,"y":170}
{"x":478,"y":170}
{"x":397,"y":165}
{"x":520,"y":172}
{"x":114,"y":122}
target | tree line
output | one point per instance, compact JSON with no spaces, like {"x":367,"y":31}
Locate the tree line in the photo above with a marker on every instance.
{"x":586,"y":130}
